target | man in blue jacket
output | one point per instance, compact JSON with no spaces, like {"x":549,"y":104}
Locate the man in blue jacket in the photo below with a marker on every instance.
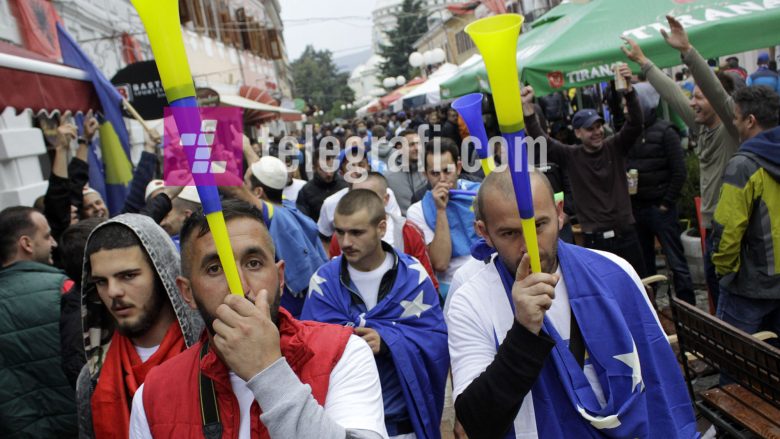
{"x":763,"y":75}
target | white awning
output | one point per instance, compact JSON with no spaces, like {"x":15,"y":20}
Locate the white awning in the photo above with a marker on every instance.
{"x":238,"y":101}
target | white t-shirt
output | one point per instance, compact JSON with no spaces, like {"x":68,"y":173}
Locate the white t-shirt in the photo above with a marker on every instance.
{"x":479,"y":310}
{"x":464,"y":273}
{"x":290,"y":192}
{"x":367,"y":282}
{"x":328,"y":210}
{"x":415,"y":214}
{"x":145,"y":353}
{"x":354,"y":398}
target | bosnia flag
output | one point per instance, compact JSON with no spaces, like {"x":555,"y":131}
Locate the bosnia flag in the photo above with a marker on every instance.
{"x":115,"y":171}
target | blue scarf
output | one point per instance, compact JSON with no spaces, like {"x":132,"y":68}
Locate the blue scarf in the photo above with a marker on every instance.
{"x":460,"y":216}
{"x":646,"y":399}
{"x":409,"y":320}
{"x":297,"y":242}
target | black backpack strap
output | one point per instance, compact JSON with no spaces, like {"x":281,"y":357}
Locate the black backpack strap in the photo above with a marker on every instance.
{"x":209,"y":410}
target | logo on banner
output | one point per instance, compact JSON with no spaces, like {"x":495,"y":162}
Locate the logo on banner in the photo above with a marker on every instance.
{"x":555,"y":79}
{"x":212,"y":146}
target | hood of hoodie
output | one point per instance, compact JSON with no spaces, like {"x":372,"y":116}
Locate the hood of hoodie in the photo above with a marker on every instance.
{"x":765,"y":148}
{"x":648,"y":100}
{"x":97,"y":322}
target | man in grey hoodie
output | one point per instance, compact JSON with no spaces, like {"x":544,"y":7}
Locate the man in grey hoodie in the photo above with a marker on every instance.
{"x":134,"y":319}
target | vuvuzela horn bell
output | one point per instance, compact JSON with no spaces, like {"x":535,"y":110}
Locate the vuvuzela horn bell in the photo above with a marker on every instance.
{"x":496,"y":38}
{"x":161,"y":20}
{"x":470,"y":109}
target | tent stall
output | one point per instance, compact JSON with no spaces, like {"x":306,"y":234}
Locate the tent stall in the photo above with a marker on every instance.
{"x":576,"y":43}
{"x":428,"y":93}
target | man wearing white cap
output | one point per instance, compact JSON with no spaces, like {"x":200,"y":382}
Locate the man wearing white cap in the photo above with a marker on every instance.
{"x":294,"y":234}
{"x":181,"y":208}
{"x":153,"y":188}
{"x":93,"y":205}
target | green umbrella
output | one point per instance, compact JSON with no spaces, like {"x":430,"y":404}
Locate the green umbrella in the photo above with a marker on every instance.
{"x":577,"y":43}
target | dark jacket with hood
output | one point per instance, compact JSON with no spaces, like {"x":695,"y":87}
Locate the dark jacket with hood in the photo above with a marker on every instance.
{"x":658,"y":157}
{"x":747,"y":220}
{"x":98,"y":323}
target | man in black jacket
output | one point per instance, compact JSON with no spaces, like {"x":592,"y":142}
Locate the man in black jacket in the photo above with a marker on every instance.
{"x":658,"y":158}
{"x":596,"y":169}
{"x":325,"y":183}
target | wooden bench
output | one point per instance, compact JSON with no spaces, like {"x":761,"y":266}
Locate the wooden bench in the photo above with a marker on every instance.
{"x":750,"y":406}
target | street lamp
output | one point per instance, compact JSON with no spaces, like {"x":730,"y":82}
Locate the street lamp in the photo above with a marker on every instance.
{"x":416,"y":59}
{"x":389,"y":83}
{"x":438,"y":55}
{"x":400,"y":80}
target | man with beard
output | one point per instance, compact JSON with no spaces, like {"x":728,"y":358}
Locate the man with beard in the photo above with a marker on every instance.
{"x":35,"y":397}
{"x":134,"y":319}
{"x":258,"y":372}
{"x":573,"y":351}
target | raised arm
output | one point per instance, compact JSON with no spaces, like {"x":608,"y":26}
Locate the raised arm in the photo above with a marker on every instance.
{"x":704,"y":77}
{"x":664,"y":85}
{"x":556,"y":151}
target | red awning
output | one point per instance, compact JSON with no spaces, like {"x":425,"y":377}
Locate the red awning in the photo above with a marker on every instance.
{"x":31,"y":81}
{"x":258,"y":95}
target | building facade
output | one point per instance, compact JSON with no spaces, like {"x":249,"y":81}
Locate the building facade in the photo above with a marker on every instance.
{"x":235,"y":42}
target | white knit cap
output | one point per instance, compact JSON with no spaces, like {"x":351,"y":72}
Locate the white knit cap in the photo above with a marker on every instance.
{"x":270,"y":171}
{"x":190,"y":193}
{"x":153,"y":186}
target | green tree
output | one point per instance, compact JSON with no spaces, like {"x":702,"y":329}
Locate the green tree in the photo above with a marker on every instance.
{"x":411,"y":24}
{"x":318,"y":81}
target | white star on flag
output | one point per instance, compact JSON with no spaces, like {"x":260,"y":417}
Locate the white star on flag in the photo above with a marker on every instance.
{"x":422,"y":274}
{"x":631,"y":360}
{"x":314,"y":284}
{"x":600,"y":422}
{"x":414,"y":307}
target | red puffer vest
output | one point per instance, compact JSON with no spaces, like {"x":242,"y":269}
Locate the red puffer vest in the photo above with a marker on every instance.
{"x":171,"y":395}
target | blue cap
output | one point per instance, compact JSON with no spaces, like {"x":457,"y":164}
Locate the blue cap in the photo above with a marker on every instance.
{"x":763,"y":58}
{"x":585,"y":118}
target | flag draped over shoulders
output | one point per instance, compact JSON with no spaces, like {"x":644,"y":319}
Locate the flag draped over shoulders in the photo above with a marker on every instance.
{"x":409,"y":320}
{"x":644,"y":393}
{"x":460,"y":216}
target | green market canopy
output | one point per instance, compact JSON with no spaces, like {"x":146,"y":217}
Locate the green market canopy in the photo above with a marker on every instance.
{"x":577,"y":43}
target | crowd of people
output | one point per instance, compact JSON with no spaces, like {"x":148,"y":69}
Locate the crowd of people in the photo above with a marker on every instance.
{"x":387,"y":276}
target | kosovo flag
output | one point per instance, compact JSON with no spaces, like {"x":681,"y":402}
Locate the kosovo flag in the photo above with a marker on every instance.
{"x":117,"y":170}
{"x":410,"y":322}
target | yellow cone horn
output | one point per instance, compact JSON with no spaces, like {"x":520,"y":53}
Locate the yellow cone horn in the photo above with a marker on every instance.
{"x":496,"y":38}
{"x":161,"y":20}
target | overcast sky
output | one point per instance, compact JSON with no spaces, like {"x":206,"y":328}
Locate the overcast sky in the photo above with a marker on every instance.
{"x":310,"y":22}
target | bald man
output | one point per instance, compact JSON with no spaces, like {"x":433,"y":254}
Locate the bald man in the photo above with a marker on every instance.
{"x":532,"y":354}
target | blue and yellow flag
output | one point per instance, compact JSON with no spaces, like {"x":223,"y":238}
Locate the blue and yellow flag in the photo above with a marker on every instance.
{"x":114,"y":141}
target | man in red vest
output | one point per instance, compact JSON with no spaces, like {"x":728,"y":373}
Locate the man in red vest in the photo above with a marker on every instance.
{"x":258,"y":372}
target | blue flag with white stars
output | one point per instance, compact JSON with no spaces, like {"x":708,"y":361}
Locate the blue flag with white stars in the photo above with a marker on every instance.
{"x":644,"y":394}
{"x":410,"y":322}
